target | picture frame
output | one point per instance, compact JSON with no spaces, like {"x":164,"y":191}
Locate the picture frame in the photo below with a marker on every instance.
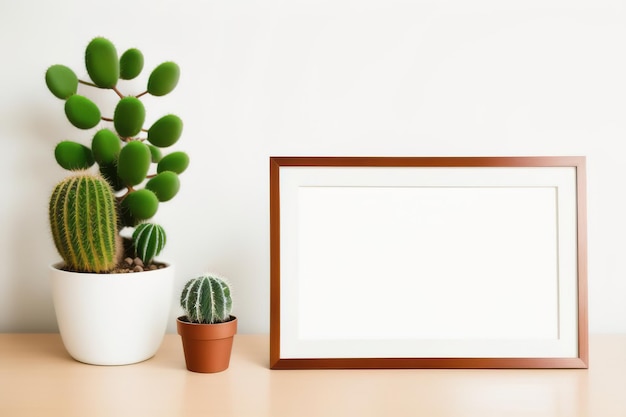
{"x":428,"y":262}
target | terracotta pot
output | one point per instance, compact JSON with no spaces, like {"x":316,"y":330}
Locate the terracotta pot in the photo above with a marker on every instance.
{"x":207,"y":347}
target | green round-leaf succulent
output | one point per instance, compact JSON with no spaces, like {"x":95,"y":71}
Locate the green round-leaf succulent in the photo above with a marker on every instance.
{"x":176,"y":162}
{"x":82,"y":112}
{"x":163,"y":79}
{"x":166,"y":131}
{"x":102,"y":63}
{"x":123,"y":156}
{"x":61,"y":81}
{"x":133,"y":162}
{"x":156,"y":153}
{"x":129,"y":116}
{"x":141,"y":204}
{"x":106,"y":146}
{"x":131,"y":64}
{"x":164,"y":185}
{"x":73,"y":156}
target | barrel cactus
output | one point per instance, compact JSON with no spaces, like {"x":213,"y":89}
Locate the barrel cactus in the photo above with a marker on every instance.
{"x":149,"y":240}
{"x":83,"y":220}
{"x":206,"y":300}
{"x":128,"y":155}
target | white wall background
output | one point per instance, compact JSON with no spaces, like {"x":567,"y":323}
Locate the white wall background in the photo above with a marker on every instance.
{"x":325,"y":77}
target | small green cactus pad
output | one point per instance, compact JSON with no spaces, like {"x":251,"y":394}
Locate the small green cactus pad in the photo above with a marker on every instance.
{"x":83,"y":221}
{"x":141,"y":205}
{"x":164,"y":185}
{"x":82,"y":112}
{"x":206,"y":299}
{"x":176,"y":162}
{"x":166,"y":131}
{"x":131,"y":64}
{"x":102,"y":63}
{"x":156,"y":154}
{"x":61,"y":81}
{"x":129,"y":116}
{"x":133,"y":162}
{"x":163,"y":79}
{"x":73,"y":156}
{"x":106,"y":146}
{"x":148,"y":240}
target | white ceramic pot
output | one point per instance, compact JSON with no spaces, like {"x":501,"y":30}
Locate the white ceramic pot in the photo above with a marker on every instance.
{"x":112,"y":319}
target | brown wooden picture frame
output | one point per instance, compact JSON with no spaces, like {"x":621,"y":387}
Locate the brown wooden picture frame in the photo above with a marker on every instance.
{"x":297,"y":338}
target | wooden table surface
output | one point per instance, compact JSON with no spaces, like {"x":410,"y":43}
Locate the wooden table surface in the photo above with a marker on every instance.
{"x":38,"y":378}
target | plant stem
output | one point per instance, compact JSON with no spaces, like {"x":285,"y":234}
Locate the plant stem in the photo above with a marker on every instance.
{"x":142,"y":94}
{"x":118,"y":92}
{"x":88,"y":83}
{"x":129,"y":189}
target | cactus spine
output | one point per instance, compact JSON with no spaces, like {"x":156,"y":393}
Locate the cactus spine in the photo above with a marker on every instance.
{"x":206,"y":300}
{"x":83,"y":220}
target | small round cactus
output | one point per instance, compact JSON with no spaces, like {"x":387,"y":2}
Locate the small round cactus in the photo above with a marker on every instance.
{"x":126,"y":153}
{"x":149,"y":240}
{"x":206,"y":300}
